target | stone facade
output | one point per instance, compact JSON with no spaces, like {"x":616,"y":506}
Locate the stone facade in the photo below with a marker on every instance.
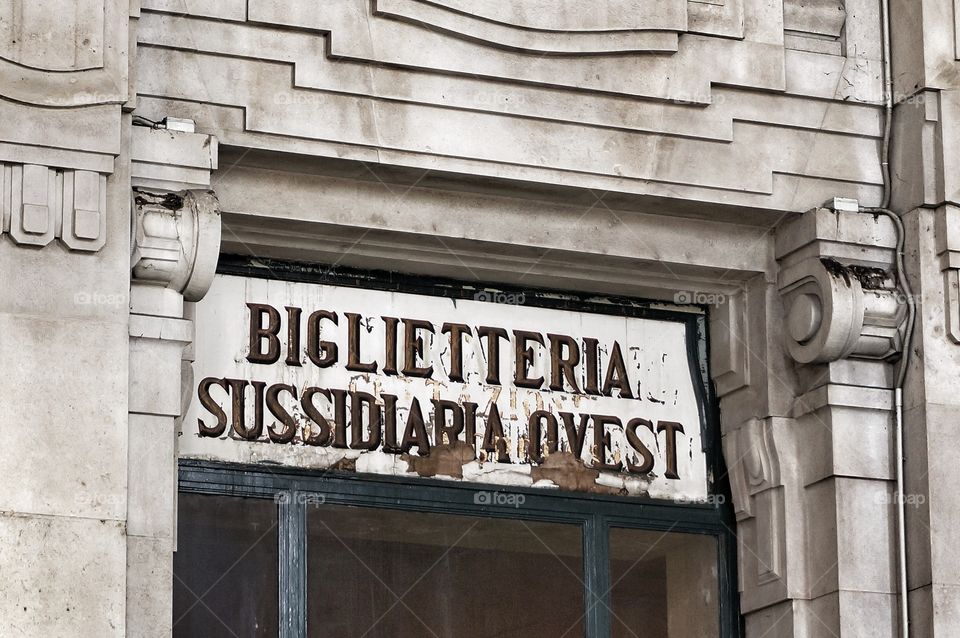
{"x":663,"y":149}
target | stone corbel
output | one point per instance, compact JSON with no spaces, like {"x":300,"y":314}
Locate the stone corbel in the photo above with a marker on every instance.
{"x":837,"y":285}
{"x":176,"y":240}
{"x":176,"y":218}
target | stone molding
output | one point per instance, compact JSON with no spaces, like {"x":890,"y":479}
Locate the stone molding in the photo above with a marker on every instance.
{"x":837,"y":285}
{"x":729,"y":351}
{"x":555,"y":27}
{"x":760,"y":499}
{"x":56,"y":58}
{"x":948,"y":253}
{"x":754,"y":464}
{"x":426,"y":72}
{"x":45,"y":203}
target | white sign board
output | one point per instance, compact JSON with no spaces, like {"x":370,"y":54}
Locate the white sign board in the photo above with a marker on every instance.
{"x":354,"y":379}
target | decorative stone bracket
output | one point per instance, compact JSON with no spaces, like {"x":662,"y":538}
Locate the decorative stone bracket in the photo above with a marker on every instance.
{"x":759,"y":499}
{"x":176,"y":240}
{"x":836,"y":310}
{"x":838,"y":289}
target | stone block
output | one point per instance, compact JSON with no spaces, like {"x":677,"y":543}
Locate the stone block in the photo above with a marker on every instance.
{"x":64,"y":399}
{"x":152,"y":479}
{"x":776,"y":621}
{"x":62,"y":576}
{"x":149,"y":600}
{"x":856,"y":614}
{"x":866,"y":535}
{"x":851,"y":525}
{"x":155,"y":376}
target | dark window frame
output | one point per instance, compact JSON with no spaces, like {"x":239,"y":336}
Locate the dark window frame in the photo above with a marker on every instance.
{"x":296,"y":490}
{"x":291,"y":487}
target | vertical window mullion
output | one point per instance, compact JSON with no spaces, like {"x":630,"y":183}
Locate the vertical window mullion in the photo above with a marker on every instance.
{"x":292,"y":586}
{"x":596,"y":570}
{"x":728,"y":586}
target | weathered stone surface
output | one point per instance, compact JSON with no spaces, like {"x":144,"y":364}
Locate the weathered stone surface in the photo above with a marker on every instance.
{"x":645,"y":148}
{"x":439,"y":64}
{"x":77,"y":466}
{"x":149,"y":603}
{"x":63,"y":576}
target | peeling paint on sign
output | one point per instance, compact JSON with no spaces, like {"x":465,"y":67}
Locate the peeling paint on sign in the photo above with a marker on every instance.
{"x":329,"y":377}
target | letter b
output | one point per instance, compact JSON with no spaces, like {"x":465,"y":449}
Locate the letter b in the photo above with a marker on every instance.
{"x":260,"y":333}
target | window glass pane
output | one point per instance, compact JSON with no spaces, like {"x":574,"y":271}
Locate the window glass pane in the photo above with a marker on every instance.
{"x":225,"y":569}
{"x":393,"y":574}
{"x":664,"y":584}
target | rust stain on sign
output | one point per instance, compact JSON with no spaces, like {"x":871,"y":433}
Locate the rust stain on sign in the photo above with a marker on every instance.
{"x":446,"y":459}
{"x":567,"y":472}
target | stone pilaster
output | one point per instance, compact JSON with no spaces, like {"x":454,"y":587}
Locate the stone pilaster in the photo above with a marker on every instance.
{"x":64,"y":251}
{"x":756,"y":385}
{"x":803,"y":367}
{"x":842,"y":329}
{"x":176,"y":244}
{"x":931,"y":414}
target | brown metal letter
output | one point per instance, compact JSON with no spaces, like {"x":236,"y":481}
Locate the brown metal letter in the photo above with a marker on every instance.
{"x":203,"y":392}
{"x":442,"y":432}
{"x":637,"y":444}
{"x":561,"y":366}
{"x":470,"y":423}
{"x":534,"y":427}
{"x":601,"y":441}
{"x":617,"y":375}
{"x":493,"y":336}
{"x":390,"y":423}
{"x":523,"y":357}
{"x":353,"y":346}
{"x":415,"y":433}
{"x":671,"y":428}
{"x":576,"y":435}
{"x":314,"y":345}
{"x":258,"y":333}
{"x":591,"y":356}
{"x":321,"y":436}
{"x":390,"y":341}
{"x":357,"y":401}
{"x":293,"y":336}
{"x":456,"y":331}
{"x":278,"y":411}
{"x":238,"y":405}
{"x":413,"y":347}
{"x":339,"y":418}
